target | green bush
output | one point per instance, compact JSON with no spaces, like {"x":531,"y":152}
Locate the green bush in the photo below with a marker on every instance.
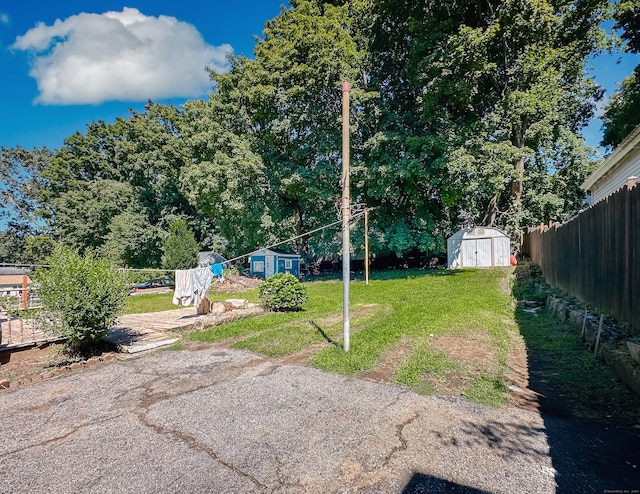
{"x":81,"y":296}
{"x":282,"y":293}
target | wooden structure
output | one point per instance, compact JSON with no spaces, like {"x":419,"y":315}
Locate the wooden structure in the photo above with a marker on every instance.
{"x":594,"y":256}
{"x":267,"y":262}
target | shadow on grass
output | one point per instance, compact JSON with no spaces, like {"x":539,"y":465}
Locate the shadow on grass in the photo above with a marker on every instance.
{"x":587,"y":413}
{"x":325,"y":335}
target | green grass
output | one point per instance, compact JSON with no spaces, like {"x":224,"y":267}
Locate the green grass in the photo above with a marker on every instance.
{"x":157,"y":302}
{"x":589,"y":386}
{"x":563,"y":368}
{"x":421,"y":360}
{"x":402,"y":304}
{"x":152,"y":302}
{"x":413,"y":310}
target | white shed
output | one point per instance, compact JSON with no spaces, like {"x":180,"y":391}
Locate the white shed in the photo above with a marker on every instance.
{"x":478,"y":247}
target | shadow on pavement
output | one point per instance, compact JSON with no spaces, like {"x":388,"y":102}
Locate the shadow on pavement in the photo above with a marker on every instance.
{"x":421,"y":483}
{"x":587,"y":456}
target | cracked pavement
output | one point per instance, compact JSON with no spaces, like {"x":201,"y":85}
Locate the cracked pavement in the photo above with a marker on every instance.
{"x":221,"y":420}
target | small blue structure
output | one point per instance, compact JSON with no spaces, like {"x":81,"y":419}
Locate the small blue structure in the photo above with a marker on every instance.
{"x":267,"y":262}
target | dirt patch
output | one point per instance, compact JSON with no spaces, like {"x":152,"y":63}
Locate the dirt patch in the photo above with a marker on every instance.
{"x":517,"y":377}
{"x":235,"y":284}
{"x":473,"y":350}
{"x":357,"y":311}
{"x":474,"y":353}
{"x":303,"y":357}
{"x":389,"y":361}
{"x":451,"y":383}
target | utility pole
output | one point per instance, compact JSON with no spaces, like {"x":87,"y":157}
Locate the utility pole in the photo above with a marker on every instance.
{"x":366,"y":246}
{"x":346,"y":261}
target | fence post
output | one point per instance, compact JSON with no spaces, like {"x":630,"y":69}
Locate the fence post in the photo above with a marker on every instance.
{"x":24,"y":295}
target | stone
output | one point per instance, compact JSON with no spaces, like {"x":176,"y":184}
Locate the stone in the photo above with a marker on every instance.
{"x":4,"y":384}
{"x":238,"y":303}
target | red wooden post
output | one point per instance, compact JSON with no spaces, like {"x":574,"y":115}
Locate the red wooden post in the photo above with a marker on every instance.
{"x":24,"y":294}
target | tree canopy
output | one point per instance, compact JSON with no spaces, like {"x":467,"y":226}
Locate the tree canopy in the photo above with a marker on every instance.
{"x":462,"y":113}
{"x":622,"y":113}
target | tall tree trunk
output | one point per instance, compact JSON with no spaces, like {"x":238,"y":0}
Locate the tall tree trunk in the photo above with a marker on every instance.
{"x":302,"y":243}
{"x":491,"y":213}
{"x":517,"y":186}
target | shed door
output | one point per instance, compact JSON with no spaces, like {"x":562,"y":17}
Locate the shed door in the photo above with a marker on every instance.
{"x":269,"y":266}
{"x":469,"y":253}
{"x":476,"y":253}
{"x":483,"y":249}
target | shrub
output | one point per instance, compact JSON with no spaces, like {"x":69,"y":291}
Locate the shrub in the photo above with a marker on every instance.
{"x":282,"y":292}
{"x":81,"y":296}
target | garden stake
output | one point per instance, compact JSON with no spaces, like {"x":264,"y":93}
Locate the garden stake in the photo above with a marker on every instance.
{"x":595,"y":352}
{"x":584,"y":324}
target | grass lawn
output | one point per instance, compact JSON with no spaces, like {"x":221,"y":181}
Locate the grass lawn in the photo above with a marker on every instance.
{"x":422,"y":313}
{"x":445,"y":332}
{"x":151,"y":302}
{"x":157,"y":302}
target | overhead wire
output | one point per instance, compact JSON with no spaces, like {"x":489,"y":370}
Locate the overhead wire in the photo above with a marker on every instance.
{"x":310,"y":232}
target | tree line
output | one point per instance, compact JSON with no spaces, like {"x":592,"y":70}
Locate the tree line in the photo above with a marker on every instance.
{"x":462,"y":113}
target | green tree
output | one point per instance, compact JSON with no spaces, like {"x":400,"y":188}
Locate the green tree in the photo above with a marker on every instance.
{"x":133,"y":241}
{"x":81,"y":217}
{"x":12,"y":246}
{"x":21,"y":187}
{"x":225,"y":180}
{"x":622,"y":113}
{"x":150,"y":155}
{"x":81,"y":295}
{"x":475,"y":106}
{"x":180,"y":247}
{"x":286,"y":104}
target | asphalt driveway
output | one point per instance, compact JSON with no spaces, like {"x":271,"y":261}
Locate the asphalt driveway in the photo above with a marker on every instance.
{"x":219,"y":420}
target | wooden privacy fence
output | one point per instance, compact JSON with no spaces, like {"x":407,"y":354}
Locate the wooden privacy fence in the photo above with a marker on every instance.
{"x":594,"y":256}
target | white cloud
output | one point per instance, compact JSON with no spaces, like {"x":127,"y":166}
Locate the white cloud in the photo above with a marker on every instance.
{"x":4,"y":18}
{"x":119,"y":56}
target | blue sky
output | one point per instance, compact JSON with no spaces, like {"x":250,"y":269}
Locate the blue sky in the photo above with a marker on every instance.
{"x":66,"y":64}
{"x":109,"y":63}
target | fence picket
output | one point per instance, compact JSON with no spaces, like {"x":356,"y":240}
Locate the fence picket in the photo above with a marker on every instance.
{"x":594,"y":256}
